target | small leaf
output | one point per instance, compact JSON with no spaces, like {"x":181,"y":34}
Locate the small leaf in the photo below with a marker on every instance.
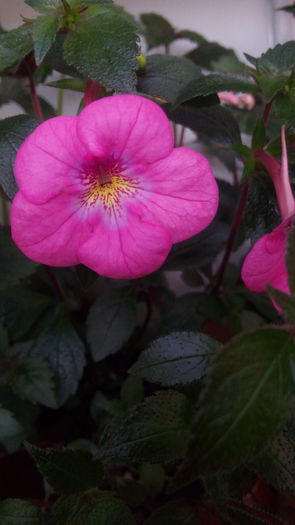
{"x":176,"y":359}
{"x":74,"y":84}
{"x":166,"y":76}
{"x":210,"y":55}
{"x":176,"y":512}
{"x":67,"y":471}
{"x":259,"y":135}
{"x":44,"y":32}
{"x":33,"y":381}
{"x":105,"y":49}
{"x":190,"y":35}
{"x":43,"y":5}
{"x":110,"y":323}
{"x":280,"y":59}
{"x":245,"y":400}
{"x":92,"y":508}
{"x":14,"y":511}
{"x":14,"y":266}
{"x":13,"y":131}
{"x":14,"y":46}
{"x":61,"y":346}
{"x":11,"y":431}
{"x":158,"y":30}
{"x":155,"y":431}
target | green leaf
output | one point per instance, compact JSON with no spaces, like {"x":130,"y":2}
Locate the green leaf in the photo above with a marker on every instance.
{"x":110,"y":323}
{"x":16,"y":89}
{"x":176,"y":359}
{"x":215,"y":123}
{"x":283,"y":109}
{"x":43,"y":5}
{"x":20,"y":308}
{"x":190,"y":35}
{"x":206,"y":85}
{"x":44,"y":33}
{"x":33,"y":381}
{"x":55,"y":58}
{"x":67,"y":471}
{"x":285,"y":302}
{"x":276,"y":465}
{"x":270,"y":86}
{"x":14,"y":46}
{"x":280,"y":59}
{"x":155,"y":431}
{"x":105,"y":49}
{"x":13,"y":131}
{"x":11,"y":431}
{"x":290,"y":258}
{"x":259,"y":135}
{"x":245,"y":400}
{"x":13,"y":511}
{"x":132,"y":391}
{"x":74,"y":84}
{"x":261,"y":215}
{"x":61,"y":346}
{"x":166,"y":76}
{"x":176,"y":512}
{"x":210,"y":55}
{"x":14,"y":266}
{"x":153,"y":478}
{"x":158,"y":30}
{"x":92,"y":508}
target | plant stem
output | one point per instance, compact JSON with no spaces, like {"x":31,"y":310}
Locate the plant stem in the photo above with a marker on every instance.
{"x":55,"y":283}
{"x":266,"y":111}
{"x":181,"y":136}
{"x":34,"y":96}
{"x":5,"y":214}
{"x":232,"y":236}
{"x":60,"y":99}
{"x":167,"y":49}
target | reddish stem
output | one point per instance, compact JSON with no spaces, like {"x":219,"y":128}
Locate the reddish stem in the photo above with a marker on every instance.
{"x":232,"y":236}
{"x":34,"y":96}
{"x":92,"y":92}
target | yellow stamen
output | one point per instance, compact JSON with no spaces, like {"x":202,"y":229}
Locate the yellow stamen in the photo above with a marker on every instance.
{"x":108,"y":191}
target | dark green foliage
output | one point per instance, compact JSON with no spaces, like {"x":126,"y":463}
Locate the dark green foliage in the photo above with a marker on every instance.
{"x":93,"y":508}
{"x":14,"y":46}
{"x":104,"y":48}
{"x":155,"y":430}
{"x":13,"y":131}
{"x":178,"y":358}
{"x":14,"y":511}
{"x":110,"y":323}
{"x":158,"y":29}
{"x":14,"y":266}
{"x":11,"y":431}
{"x":174,"y":513}
{"x":44,"y":32}
{"x":211,"y":55}
{"x":67,"y":471}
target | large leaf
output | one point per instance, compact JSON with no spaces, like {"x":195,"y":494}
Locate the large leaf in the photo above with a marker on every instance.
{"x":14,"y":266}
{"x":176,"y":359}
{"x":215,"y":122}
{"x":44,"y":33}
{"x":110,"y":323}
{"x":155,"y":430}
{"x":61,"y":346}
{"x":13,"y":131}
{"x":67,"y":471}
{"x":14,"y":46}
{"x":206,"y":85}
{"x":105,"y":49}
{"x":17,"y":511}
{"x":158,"y":29}
{"x":245,"y":400}
{"x":166,"y":76}
{"x":20,"y":308}
{"x":92,"y":508}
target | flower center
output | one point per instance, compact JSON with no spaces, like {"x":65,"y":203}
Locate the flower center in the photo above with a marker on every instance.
{"x":106,"y":186}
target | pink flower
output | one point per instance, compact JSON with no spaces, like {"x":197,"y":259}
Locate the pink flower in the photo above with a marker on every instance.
{"x":108,"y":190}
{"x":243,"y":101}
{"x":265,"y":264}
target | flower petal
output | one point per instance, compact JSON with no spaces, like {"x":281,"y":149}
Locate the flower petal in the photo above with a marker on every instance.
{"x":48,"y":160}
{"x":126,"y":251}
{"x":179,"y":192}
{"x":126,"y":127}
{"x":265,"y":264}
{"x":49,"y":233}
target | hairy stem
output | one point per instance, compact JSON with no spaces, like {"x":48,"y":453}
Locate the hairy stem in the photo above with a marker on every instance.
{"x":60,"y":99}
{"x":232,"y":236}
{"x":34,"y":96}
